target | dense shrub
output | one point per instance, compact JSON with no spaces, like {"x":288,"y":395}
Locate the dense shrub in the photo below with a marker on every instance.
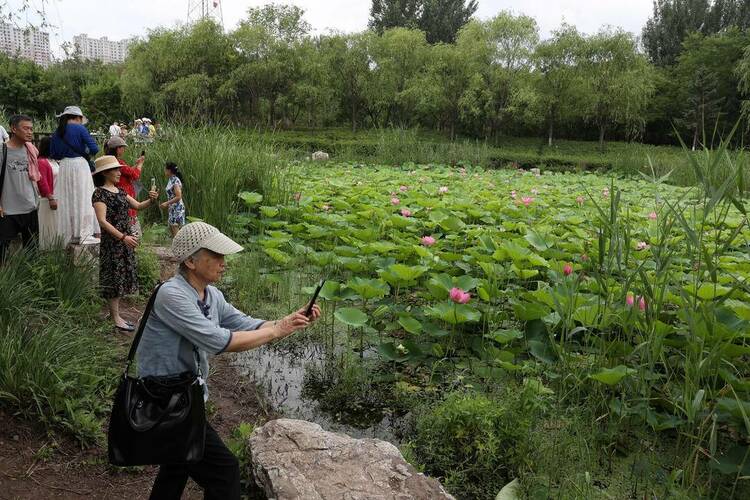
{"x":475,"y":442}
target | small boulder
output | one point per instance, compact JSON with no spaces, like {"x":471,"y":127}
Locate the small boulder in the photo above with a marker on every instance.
{"x":294,"y":459}
{"x":320,"y":156}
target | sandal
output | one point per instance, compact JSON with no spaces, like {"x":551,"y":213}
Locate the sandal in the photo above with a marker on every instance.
{"x":127,"y":328}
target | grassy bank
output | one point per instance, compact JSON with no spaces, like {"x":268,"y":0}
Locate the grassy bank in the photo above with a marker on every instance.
{"x":397,"y":147}
{"x":56,"y":364}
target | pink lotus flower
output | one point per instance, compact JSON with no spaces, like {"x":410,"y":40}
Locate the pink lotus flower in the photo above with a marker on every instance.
{"x":513,"y":194}
{"x":428,"y":241}
{"x":642,"y":245}
{"x":580,"y":200}
{"x":629,"y":300}
{"x":297,"y":196}
{"x":406,"y":212}
{"x":567,"y":269}
{"x":527,"y":200}
{"x":652,"y":216}
{"x":641,"y":303}
{"x":459,"y":296}
{"x":403,"y":189}
{"x":395,"y":201}
{"x":443,"y":190}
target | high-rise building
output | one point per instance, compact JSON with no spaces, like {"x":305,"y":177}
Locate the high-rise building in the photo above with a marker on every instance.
{"x":101,"y":49}
{"x":29,"y":43}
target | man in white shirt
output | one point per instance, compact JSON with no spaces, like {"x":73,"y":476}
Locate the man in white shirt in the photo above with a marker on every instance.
{"x":3,"y":134}
{"x":114,"y":130}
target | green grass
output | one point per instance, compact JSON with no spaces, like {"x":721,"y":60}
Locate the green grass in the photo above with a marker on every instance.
{"x":217,"y":164}
{"x":403,"y":146}
{"x":56,"y":365}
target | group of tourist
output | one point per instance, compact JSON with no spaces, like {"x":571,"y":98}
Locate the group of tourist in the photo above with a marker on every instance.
{"x":142,"y":128}
{"x":58,"y":195}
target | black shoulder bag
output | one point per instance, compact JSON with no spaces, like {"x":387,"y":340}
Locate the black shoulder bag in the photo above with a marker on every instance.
{"x":157,"y":420}
{"x":85,"y":155}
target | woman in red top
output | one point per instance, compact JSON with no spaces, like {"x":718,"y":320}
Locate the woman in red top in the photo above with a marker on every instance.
{"x":116,"y":147}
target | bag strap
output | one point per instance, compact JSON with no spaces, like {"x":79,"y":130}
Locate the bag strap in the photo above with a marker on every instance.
{"x":141,"y":327}
{"x":2,"y":169}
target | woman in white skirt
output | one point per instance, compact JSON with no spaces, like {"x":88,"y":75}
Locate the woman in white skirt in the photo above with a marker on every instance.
{"x":72,"y":145}
{"x":49,"y":235}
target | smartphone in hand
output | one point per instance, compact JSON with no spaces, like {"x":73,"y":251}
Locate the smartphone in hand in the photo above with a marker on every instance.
{"x":308,"y":311}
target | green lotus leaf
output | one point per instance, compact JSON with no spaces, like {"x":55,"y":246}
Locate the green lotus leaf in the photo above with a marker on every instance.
{"x":613,"y":376}
{"x":351,"y":316}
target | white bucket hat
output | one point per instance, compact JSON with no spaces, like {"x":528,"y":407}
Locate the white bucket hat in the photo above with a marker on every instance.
{"x":198,"y":235}
{"x":73,"y":111}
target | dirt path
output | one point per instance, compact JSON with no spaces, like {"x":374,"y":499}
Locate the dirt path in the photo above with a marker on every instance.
{"x":34,"y":465}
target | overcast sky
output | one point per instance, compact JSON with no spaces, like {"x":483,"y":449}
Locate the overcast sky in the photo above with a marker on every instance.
{"x":120,"y":19}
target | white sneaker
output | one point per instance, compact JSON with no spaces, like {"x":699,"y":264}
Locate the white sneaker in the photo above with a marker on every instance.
{"x":90,"y":240}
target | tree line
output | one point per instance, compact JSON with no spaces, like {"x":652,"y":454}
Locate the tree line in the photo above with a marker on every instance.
{"x":426,"y":64}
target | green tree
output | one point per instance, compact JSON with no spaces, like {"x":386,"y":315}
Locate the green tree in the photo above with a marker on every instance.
{"x":439,"y":19}
{"x":398,"y":56}
{"x":387,"y":14}
{"x":671,"y":21}
{"x":705,"y":86}
{"x":269,"y":60}
{"x":556,"y":91}
{"x":348,"y":61}
{"x":437,"y":91}
{"x":500,"y":50}
{"x":618,"y":82}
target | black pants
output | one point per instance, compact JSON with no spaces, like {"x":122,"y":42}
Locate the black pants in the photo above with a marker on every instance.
{"x":11,"y":225}
{"x":218,"y":474}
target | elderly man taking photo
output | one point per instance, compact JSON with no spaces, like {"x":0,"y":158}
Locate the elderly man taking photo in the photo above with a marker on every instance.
{"x":191,"y":319}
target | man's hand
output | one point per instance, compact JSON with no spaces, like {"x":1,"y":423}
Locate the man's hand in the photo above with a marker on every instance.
{"x":153,"y":195}
{"x":164,"y":205}
{"x":2,"y":214}
{"x":52,"y":204}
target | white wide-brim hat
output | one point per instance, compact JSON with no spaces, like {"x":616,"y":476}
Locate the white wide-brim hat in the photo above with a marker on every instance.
{"x":72,"y":111}
{"x":197,"y":235}
{"x":105,"y":162}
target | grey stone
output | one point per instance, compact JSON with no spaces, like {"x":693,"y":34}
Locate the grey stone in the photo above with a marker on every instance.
{"x":320,"y":156}
{"x":294,"y":459}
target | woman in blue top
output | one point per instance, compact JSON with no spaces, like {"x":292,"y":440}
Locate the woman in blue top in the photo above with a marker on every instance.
{"x":71,"y":144}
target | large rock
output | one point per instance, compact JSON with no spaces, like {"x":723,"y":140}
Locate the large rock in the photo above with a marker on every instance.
{"x":320,"y":156}
{"x":294,"y":459}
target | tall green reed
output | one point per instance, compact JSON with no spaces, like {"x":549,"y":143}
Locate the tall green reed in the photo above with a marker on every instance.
{"x":218,"y":163}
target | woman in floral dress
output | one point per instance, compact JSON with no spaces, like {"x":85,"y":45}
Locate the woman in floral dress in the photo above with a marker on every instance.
{"x":117,"y":267}
{"x":174,"y":198}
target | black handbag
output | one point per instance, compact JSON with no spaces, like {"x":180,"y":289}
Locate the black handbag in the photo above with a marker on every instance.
{"x":157,"y":420}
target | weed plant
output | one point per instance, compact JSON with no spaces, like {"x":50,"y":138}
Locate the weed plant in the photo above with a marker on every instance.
{"x":217,"y":163}
{"x":54,"y":364}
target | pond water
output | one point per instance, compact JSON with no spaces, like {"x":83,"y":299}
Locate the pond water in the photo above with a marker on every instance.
{"x":279,"y":372}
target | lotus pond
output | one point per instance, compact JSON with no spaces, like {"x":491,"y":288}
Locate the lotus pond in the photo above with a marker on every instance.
{"x":626,"y":297}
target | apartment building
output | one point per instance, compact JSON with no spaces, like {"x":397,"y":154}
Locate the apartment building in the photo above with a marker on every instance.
{"x":28,"y":43}
{"x":101,"y":49}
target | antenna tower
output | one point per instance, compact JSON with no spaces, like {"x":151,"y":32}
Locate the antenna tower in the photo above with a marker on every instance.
{"x":199,"y":10}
